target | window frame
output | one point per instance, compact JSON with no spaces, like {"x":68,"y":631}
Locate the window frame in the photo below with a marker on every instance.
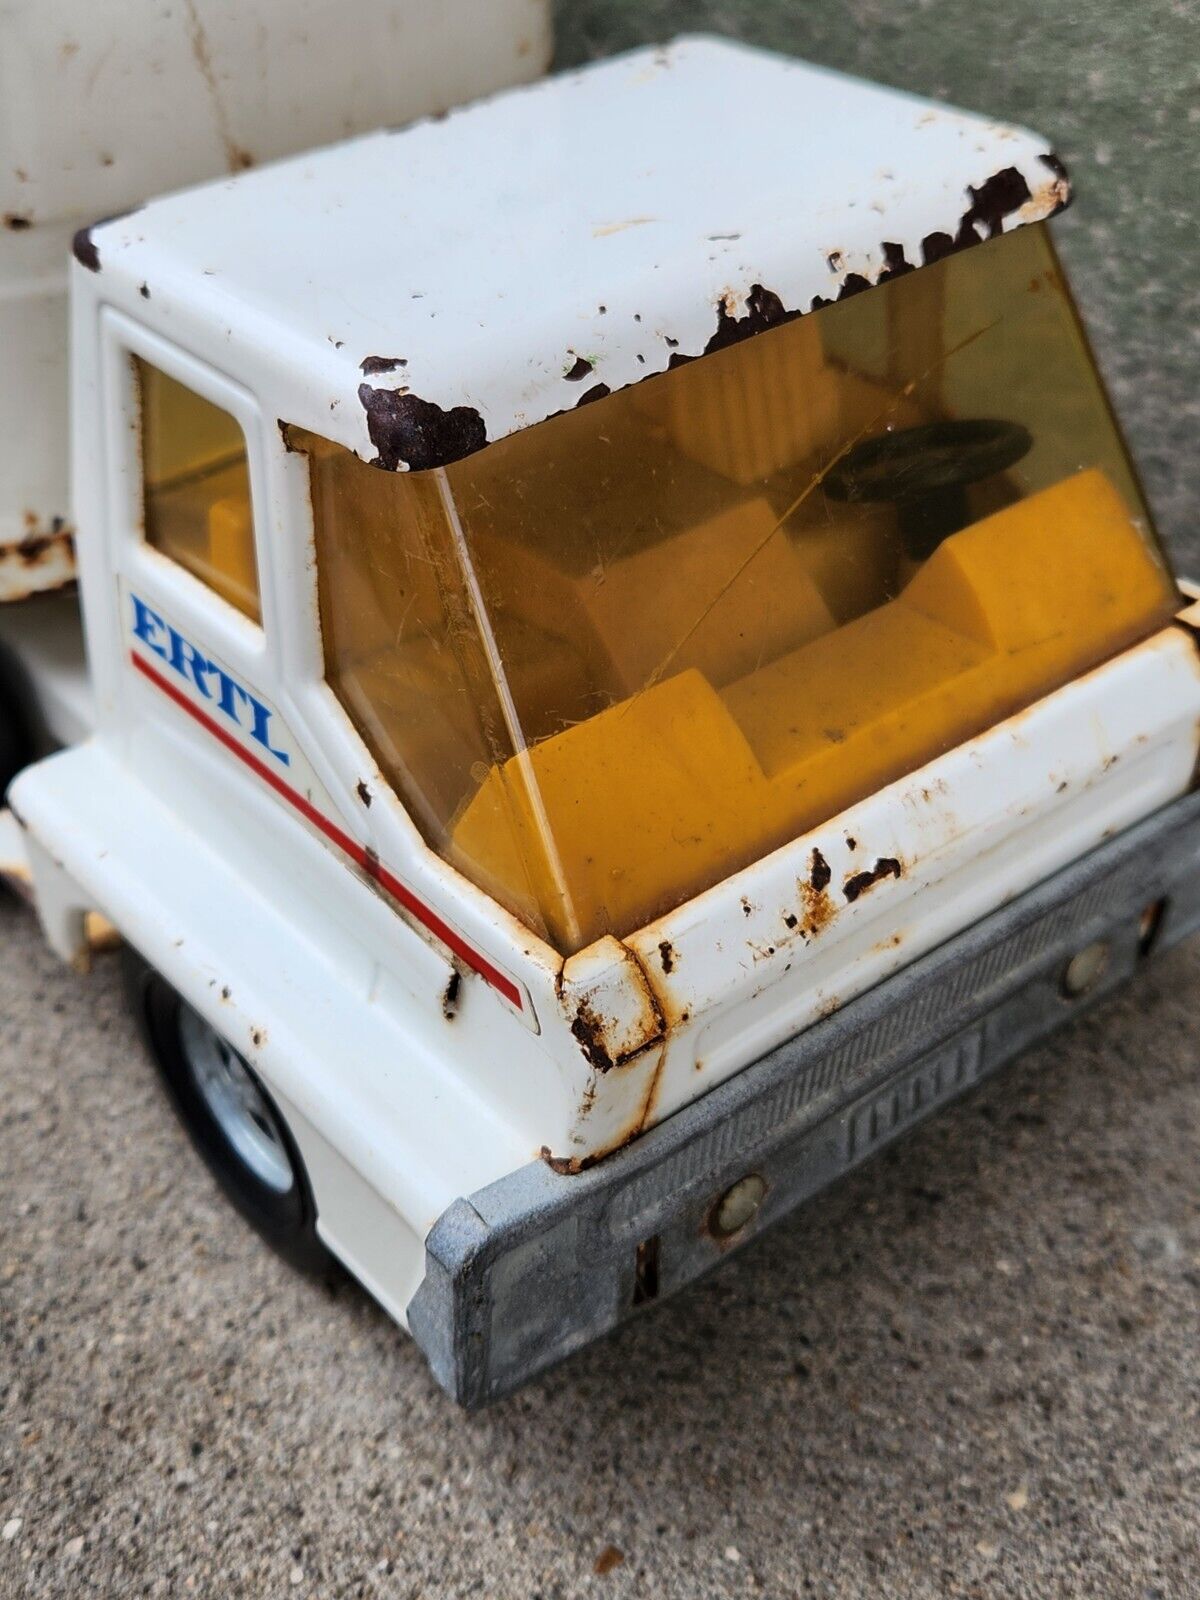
{"x":173,"y":415}
{"x":159,"y":578}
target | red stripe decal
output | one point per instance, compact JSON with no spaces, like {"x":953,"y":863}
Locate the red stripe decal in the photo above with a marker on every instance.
{"x":363,"y":858}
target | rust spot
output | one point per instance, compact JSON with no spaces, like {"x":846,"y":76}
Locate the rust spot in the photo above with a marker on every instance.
{"x":579,"y":369}
{"x":235,"y":157}
{"x":566,"y":1166}
{"x":84,"y":248}
{"x":764,"y":309}
{"x":598,"y":391}
{"x":258,"y":1037}
{"x":285,"y":433}
{"x":450,"y":996}
{"x":853,"y":283}
{"x":41,"y":561}
{"x":610,"y":1557}
{"x":17,"y":221}
{"x":36,"y":545}
{"x":369,"y":366}
{"x":647,"y":1110}
{"x":817,"y":907}
{"x":791,"y":920}
{"x":364,"y":794}
{"x":1003,"y":193}
{"x":144,"y":291}
{"x":859,"y":882}
{"x":896,"y":263}
{"x":666,"y":954}
{"x":1056,"y":166}
{"x":603,"y":229}
{"x":414,"y":433}
{"x":936,"y":246}
{"x":589,"y":1030}
{"x":819,"y":874}
{"x":747,"y":908}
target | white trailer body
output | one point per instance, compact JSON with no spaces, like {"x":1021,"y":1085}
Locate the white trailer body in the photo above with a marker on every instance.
{"x":514,"y":1135}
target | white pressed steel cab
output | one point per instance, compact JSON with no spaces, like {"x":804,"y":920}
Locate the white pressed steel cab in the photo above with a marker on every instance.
{"x":582,"y":595}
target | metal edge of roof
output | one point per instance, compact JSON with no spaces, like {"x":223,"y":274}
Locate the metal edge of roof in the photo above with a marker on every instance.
{"x":414,"y":422}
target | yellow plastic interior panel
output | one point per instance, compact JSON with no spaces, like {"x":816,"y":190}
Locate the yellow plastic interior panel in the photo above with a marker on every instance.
{"x":611,"y":660}
{"x":196,"y":487}
{"x":774,"y":603}
{"x":695,"y":775}
{"x":1004,"y":612}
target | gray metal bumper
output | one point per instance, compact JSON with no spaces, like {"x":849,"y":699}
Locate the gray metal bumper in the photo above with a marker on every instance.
{"x":536,"y":1265}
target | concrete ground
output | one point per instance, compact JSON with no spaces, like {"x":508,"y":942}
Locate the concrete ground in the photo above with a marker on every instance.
{"x":972,"y":1369}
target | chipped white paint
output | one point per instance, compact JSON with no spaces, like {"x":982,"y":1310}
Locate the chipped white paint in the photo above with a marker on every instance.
{"x":38,"y":563}
{"x":593,"y":216}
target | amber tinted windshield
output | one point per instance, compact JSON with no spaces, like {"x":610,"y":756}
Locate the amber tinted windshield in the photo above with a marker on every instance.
{"x":612,"y":659}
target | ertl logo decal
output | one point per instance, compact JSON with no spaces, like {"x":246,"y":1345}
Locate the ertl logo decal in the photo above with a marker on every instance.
{"x":223,"y":692}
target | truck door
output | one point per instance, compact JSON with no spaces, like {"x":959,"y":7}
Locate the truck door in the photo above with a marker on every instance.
{"x":193,"y":593}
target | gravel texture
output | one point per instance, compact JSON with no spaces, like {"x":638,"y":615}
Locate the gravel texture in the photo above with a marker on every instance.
{"x":972,"y":1369}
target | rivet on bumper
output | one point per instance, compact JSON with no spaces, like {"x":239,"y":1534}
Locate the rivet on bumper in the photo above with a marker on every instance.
{"x":737,"y":1206}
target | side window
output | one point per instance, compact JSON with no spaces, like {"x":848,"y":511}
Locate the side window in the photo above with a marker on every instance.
{"x":196,"y":487}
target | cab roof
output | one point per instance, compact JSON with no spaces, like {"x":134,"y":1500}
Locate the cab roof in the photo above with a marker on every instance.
{"x":417,"y":294}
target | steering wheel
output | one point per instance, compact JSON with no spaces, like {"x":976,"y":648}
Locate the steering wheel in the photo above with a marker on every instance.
{"x":925,"y":471}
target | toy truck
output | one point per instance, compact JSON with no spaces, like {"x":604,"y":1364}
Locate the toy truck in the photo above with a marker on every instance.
{"x":630,"y":665}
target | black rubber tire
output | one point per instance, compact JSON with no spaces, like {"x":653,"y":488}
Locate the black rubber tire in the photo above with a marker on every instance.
{"x":286,"y":1221}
